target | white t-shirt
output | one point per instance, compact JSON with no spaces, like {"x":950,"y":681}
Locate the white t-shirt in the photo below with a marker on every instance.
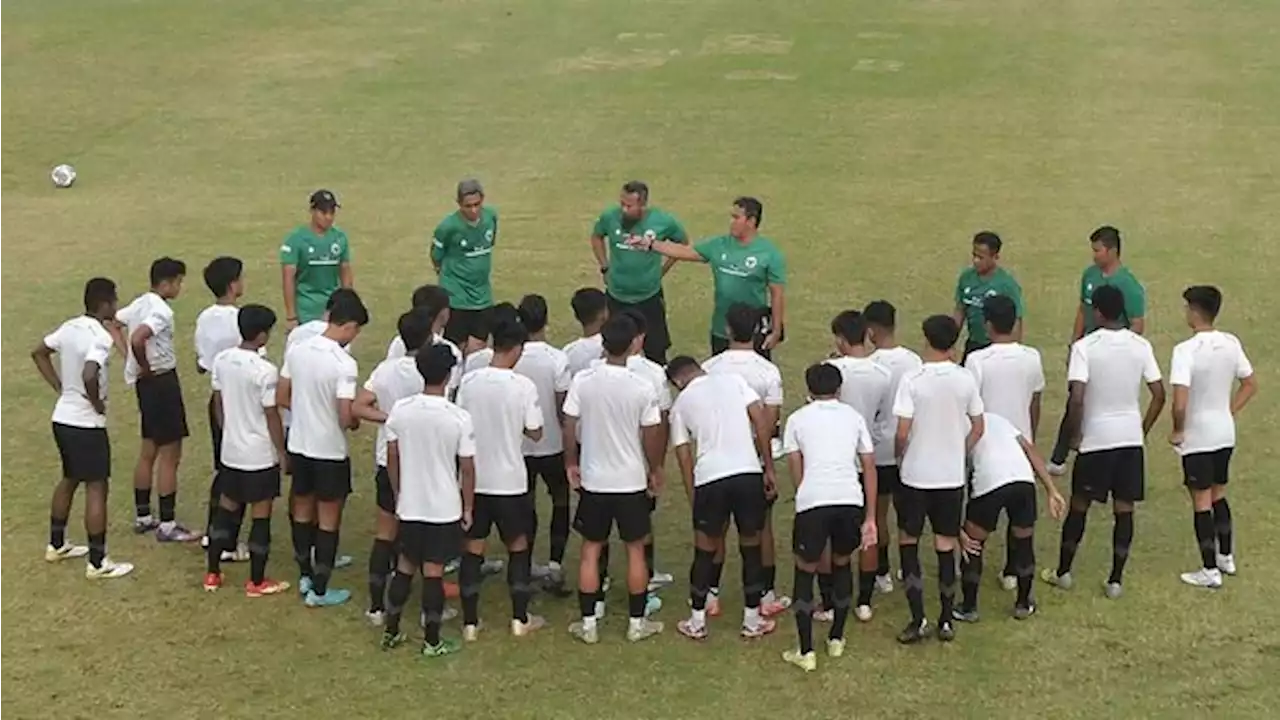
{"x":1114,"y":365}
{"x":998,"y":458}
{"x":78,"y":341}
{"x":396,"y":349}
{"x":390,"y":382}
{"x":939,"y":399}
{"x":1208,"y":365}
{"x":711,"y":412}
{"x":548,"y":368}
{"x":322,"y":373}
{"x":867,"y":386}
{"x":898,"y":361}
{"x":217,"y":329}
{"x":612,"y":405}
{"x":151,"y":310}
{"x":305,"y":331}
{"x":502,"y":404}
{"x":761,"y":375}
{"x":431,"y":433}
{"x":829,"y":435}
{"x":476,"y":360}
{"x":584,"y":351}
{"x":246,"y":383}
{"x":1008,"y":375}
{"x":652,"y":372}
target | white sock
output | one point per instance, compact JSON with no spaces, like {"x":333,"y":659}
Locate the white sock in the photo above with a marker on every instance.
{"x":589,"y":622}
{"x":768,"y":597}
{"x":751,"y":617}
{"x":553,"y":566}
{"x":698,"y":618}
{"x":169,"y":525}
{"x":636,"y":623}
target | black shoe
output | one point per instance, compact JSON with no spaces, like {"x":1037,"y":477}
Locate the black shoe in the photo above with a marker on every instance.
{"x":914,"y":632}
{"x":946,"y":632}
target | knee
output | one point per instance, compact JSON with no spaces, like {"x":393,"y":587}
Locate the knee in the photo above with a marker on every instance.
{"x":1023,"y":533}
{"x":1079,"y":503}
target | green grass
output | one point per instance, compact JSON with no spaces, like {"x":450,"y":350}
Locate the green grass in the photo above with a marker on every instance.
{"x":880,"y":136}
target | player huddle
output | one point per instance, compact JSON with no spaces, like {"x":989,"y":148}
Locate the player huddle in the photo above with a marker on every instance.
{"x":465,"y":432}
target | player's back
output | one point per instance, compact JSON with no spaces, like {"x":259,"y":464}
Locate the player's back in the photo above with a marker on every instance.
{"x":548,"y":368}
{"x":1008,"y":375}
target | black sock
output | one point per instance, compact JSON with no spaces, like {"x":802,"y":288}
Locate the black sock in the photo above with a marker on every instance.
{"x":1222,"y":523}
{"x":57,"y":531}
{"x":700,"y":578}
{"x":946,"y":583}
{"x":1024,"y":567}
{"x":237,"y":521}
{"x":648,"y":557}
{"x":1072,"y":532}
{"x":970,"y":578}
{"x":768,"y":576}
{"x":169,"y":507}
{"x":910,"y":559}
{"x":587,"y":603}
{"x":532,"y":537}
{"x":326,"y":551}
{"x":518,"y":567}
{"x":882,"y":560}
{"x":97,"y":548}
{"x":304,"y":538}
{"x":717,"y":572}
{"x":469,"y":587}
{"x":1010,"y":562}
{"x":1121,"y":539}
{"x":751,"y":586}
{"x":842,"y":584}
{"x":826,"y":590}
{"x":381,"y":560}
{"x":259,"y":549}
{"x":215,"y":499}
{"x":636,"y":603}
{"x":433,"y":604}
{"x":1062,"y":444}
{"x":559,"y":531}
{"x":1202,"y":521}
{"x":803,"y":590}
{"x":219,"y":533}
{"x":397,"y":596}
{"x":866,"y":586}
{"x":141,"y":502}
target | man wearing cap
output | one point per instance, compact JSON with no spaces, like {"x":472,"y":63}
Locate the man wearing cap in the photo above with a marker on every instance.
{"x":315,"y":260}
{"x":462,"y":254}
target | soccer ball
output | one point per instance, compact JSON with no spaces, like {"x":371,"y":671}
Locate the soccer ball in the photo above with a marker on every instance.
{"x":63,"y":176}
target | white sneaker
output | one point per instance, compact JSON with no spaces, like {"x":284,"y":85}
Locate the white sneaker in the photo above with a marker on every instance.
{"x":471,"y":633}
{"x":775,"y":448}
{"x":863,"y":613}
{"x":599,"y":610}
{"x":1227,"y":564}
{"x":537,"y":571}
{"x":884,"y":584}
{"x":1113,"y":591}
{"x":528,"y":627}
{"x":377,"y":618}
{"x":1204,"y":578}
{"x":646,"y":628}
{"x":1055,"y":469}
{"x":66,"y":552}
{"x":108,"y":569}
{"x":1009,"y":582}
{"x":660,"y":580}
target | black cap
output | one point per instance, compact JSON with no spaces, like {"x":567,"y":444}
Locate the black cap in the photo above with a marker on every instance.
{"x":324,"y":200}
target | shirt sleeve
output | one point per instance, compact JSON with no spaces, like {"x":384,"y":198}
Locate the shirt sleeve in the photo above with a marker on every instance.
{"x":601,"y":228}
{"x":1037,"y":372}
{"x":100,"y":350}
{"x":675,"y":233}
{"x":1180,"y":366}
{"x":392,"y":426}
{"x":267,"y":382}
{"x":959,"y":293}
{"x":159,"y":320}
{"x":290,"y":252}
{"x":1078,"y":364}
{"x":1244,"y":368}
{"x":1015,"y":294}
{"x":53,"y":340}
{"x":346,"y":389}
{"x":439,"y":242}
{"x":1084,"y":288}
{"x":532,"y":409}
{"x":1135,"y":299}
{"x":904,"y":405}
{"x":1150,"y":367}
{"x":285,"y":372}
{"x":652,"y":413}
{"x":707,"y":249}
{"x":975,"y":407}
{"x":467,"y":439}
{"x":777,"y":270}
{"x":864,"y":444}
{"x":562,"y":377}
{"x":345,"y":255}
{"x":679,"y":431}
{"x":791,"y":436}
{"x":215,"y":379}
{"x":571,"y":399}
{"x":773,"y":397}
{"x":974,"y":367}
{"x":749,"y":394}
{"x":662,"y":395}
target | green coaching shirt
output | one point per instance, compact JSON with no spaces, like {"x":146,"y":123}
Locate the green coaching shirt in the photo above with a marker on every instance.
{"x":635,"y":275}
{"x":318,"y":260}
{"x":742,"y":274}
{"x":1135,"y":298}
{"x":465,"y":255}
{"x":972,"y":290}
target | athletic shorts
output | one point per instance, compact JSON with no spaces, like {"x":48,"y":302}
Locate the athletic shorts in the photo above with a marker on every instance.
{"x":839,"y":525}
{"x":551,"y":469}
{"x":215,"y":435}
{"x":85,"y":452}
{"x":971,"y":347}
{"x":385,"y":497}
{"x":763,"y":327}
{"x":164,"y":416}
{"x":1200,"y":471}
{"x":512,"y":514}
{"x":942,"y":508}
{"x":464,"y":324}
{"x":1119,"y":473}
{"x":598,"y":512}
{"x":426,"y":542}
{"x":657,"y":337}
{"x":250,"y":486}
{"x":738,"y":496}
{"x":888,"y":480}
{"x":1017,"y":500}
{"x":327,"y":480}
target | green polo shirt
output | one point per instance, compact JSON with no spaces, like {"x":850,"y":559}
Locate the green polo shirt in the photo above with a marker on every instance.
{"x":973,"y":289}
{"x":1135,"y":298}
{"x":318,"y":261}
{"x":635,"y":275}
{"x":742,"y":273}
{"x":465,"y":255}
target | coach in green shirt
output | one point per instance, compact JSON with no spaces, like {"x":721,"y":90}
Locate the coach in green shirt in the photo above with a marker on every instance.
{"x":315,"y":260}
{"x":746,"y":268}
{"x":462,"y":254}
{"x":984,"y":278}
{"x":633,"y":277}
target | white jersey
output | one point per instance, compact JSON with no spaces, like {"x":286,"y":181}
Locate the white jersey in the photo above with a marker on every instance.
{"x":939,"y":399}
{"x":830,"y":436}
{"x":1008,"y":376}
{"x":998,"y":458}
{"x":479,"y":359}
{"x":548,"y":368}
{"x":1208,"y":365}
{"x":612,"y":405}
{"x":867,"y":386}
{"x":78,"y":341}
{"x":584,"y":351}
{"x":1114,"y":365}
{"x":304,"y":332}
{"x":322,"y":373}
{"x":761,"y":375}
{"x":396,"y":349}
{"x":503,"y":404}
{"x":898,"y":361}
{"x":431,"y":434}
{"x":246,"y":382}
{"x":390,"y":382}
{"x":711,"y":413}
{"x":217,"y":329}
{"x":153,"y":311}
{"x":652,"y":373}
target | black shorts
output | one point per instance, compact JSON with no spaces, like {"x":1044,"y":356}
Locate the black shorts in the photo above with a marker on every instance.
{"x":250,"y":486}
{"x":215,"y":435}
{"x":763,"y":326}
{"x":599,"y":512}
{"x":738,"y":496}
{"x":888,"y":480}
{"x":657,"y":337}
{"x":85,"y":452}
{"x":425,"y":542}
{"x":1017,"y":500}
{"x":1119,"y":473}
{"x":385,"y":498}
{"x":839,"y":525}
{"x":464,"y":324}
{"x":971,"y":347}
{"x":1200,"y":471}
{"x":551,"y":469}
{"x":513,"y":514}
{"x":942,"y":508}
{"x":164,"y":416}
{"x":328,"y":480}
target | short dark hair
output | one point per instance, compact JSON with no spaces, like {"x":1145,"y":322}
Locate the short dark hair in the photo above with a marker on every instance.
{"x":220,"y":273}
{"x":508,"y":335}
{"x":680,"y":365}
{"x":435,"y":364}
{"x":637,"y":317}
{"x":880,"y":313}
{"x":637,"y":188}
{"x":823,"y":379}
{"x":618,"y":334}
{"x":432,"y":298}
{"x":343,"y":295}
{"x":589,"y":304}
{"x":941,"y":332}
{"x":503,"y":312}
{"x":1204,"y":299}
{"x":742,"y":320}
{"x":1002,"y":312}
{"x":97,"y":292}
{"x":750,"y":207}
{"x":850,"y":326}
{"x":991,"y":240}
{"x":1107,"y":237}
{"x":348,"y":308}
{"x":254,"y":320}
{"x":415,"y":328}
{"x":1108,"y":300}
{"x":533,"y":312}
{"x":166,"y":268}
{"x":470,"y":186}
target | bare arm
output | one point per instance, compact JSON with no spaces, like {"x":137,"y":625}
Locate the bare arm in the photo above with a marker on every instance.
{"x":1017,"y":331}
{"x":560,"y":407}
{"x":365,"y":407}
{"x":1155,"y":407}
{"x":977,"y":426}
{"x":1138,"y":325}
{"x":1057,"y":505}
{"x":284,"y":393}
{"x":600,"y":252}
{"x":346,"y":276}
{"x":655,"y":446}
{"x":116,"y":330}
{"x":215,"y":402}
{"x":900,"y":438}
{"x":778,"y":310}
{"x":467,"y":471}
{"x":1077,"y":330}
{"x":42,"y":355}
{"x":795,"y":466}
{"x":763,"y":431}
{"x":89,"y":375}
{"x":870,"y":483}
{"x":684,"y":458}
{"x":1181,"y":395}
{"x":570,"y":441}
{"x":275,"y":428}
{"x":393,"y":466}
{"x":1075,"y":410}
{"x":289,"y":287}
{"x":1248,"y":388}
{"x":1035,"y":415}
{"x":957,"y":315}
{"x":676,"y":251}
{"x":138,"y":344}
{"x":534,"y":435}
{"x":346,"y":417}
{"x":667,"y":265}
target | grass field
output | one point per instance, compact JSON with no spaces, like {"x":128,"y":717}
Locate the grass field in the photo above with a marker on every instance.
{"x":880,"y":136}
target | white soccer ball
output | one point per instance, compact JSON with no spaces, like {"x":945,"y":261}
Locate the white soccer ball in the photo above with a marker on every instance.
{"x":63,"y":176}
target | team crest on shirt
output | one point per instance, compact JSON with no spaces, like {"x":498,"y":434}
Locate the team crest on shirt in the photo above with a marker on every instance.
{"x":335,"y":249}
{"x":488,"y":236}
{"x":464,"y":242}
{"x":310,"y":250}
{"x":750,"y":262}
